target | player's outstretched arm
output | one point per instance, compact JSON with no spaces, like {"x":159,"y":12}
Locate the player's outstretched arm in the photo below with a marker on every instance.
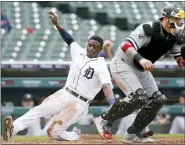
{"x":65,"y":35}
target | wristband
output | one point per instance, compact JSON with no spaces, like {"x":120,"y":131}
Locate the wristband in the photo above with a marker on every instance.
{"x":111,"y":101}
{"x":137,"y":57}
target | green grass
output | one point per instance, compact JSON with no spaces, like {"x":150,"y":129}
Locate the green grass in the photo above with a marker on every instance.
{"x":30,"y":138}
{"x":46,"y":138}
{"x":169,"y":135}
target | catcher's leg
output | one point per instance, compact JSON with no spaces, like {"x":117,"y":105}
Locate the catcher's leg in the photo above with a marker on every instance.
{"x":151,"y":88}
{"x":128,"y":82}
{"x":148,"y":113}
{"x":126,"y":122}
{"x":149,"y":84}
{"x":50,"y":106}
{"x":120,"y":109}
{"x":69,"y":115}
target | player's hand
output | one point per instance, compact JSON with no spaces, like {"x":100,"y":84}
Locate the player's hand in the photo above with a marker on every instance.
{"x":53,"y":17}
{"x":146,"y":64}
{"x":107,"y":44}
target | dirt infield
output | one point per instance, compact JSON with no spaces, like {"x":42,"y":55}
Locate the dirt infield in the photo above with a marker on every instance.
{"x":91,"y":139}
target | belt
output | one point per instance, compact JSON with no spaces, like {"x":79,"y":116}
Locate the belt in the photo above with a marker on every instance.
{"x":77,"y":95}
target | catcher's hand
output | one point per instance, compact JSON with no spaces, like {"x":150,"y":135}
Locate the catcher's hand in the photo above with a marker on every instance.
{"x":183,"y":52}
{"x":53,"y":17}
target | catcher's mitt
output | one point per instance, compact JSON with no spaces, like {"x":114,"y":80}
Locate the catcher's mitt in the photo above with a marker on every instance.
{"x":183,"y":52}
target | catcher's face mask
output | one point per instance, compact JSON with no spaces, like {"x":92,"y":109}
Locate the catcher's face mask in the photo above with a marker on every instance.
{"x":176,"y":22}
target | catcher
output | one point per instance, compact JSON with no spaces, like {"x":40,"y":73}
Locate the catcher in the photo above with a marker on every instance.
{"x":131,"y":69}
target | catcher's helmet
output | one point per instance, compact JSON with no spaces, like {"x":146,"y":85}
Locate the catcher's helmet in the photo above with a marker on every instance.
{"x":171,"y":10}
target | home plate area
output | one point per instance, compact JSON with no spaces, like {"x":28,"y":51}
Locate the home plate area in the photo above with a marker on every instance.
{"x":93,"y":139}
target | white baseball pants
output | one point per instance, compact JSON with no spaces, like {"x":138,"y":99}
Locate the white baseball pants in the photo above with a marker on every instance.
{"x":67,"y":109}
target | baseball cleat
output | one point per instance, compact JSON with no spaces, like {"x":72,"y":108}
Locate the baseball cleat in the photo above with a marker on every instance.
{"x":8,"y":128}
{"x":64,"y":137}
{"x":100,"y":123}
{"x":77,"y":130}
{"x":138,"y":138}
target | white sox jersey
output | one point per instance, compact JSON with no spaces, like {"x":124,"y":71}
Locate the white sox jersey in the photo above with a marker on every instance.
{"x":139,"y":40}
{"x":86,"y":75}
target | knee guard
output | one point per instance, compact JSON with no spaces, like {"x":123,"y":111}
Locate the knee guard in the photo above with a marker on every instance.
{"x":148,"y":112}
{"x":158,"y":100}
{"x":126,"y":106}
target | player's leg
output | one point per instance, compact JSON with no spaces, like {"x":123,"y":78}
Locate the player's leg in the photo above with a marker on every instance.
{"x":73,"y":111}
{"x":125,"y":123}
{"x":149,"y":111}
{"x":127,"y":80}
{"x":50,"y":106}
{"x":48,"y":124}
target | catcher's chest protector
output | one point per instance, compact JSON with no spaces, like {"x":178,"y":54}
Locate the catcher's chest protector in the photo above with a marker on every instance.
{"x":159,"y":44}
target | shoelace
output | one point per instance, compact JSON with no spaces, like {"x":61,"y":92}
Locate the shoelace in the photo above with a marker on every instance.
{"x":103,"y":122}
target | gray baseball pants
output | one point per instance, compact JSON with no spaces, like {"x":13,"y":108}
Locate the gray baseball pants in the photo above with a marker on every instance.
{"x":129,"y":78}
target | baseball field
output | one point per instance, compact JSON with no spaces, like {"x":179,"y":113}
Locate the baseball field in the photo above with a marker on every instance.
{"x":94,"y":139}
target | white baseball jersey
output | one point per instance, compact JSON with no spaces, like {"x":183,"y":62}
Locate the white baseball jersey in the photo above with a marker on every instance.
{"x":87,"y":75}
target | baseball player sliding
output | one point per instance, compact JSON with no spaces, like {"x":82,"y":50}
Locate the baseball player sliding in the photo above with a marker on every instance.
{"x":87,"y":75}
{"x":131,"y":69}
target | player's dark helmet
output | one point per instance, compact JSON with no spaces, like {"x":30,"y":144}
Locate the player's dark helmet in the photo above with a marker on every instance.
{"x":172,"y":11}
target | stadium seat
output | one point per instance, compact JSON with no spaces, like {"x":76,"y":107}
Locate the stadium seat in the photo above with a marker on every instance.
{"x":45,"y":43}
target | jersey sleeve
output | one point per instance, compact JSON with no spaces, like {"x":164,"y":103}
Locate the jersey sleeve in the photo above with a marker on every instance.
{"x":176,"y":50}
{"x":76,"y":50}
{"x":138,"y":38}
{"x":104,"y":74}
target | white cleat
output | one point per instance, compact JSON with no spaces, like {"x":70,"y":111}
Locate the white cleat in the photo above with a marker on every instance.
{"x":74,"y":135}
{"x":138,"y":140}
{"x":99,"y":122}
{"x":133,"y":138}
{"x":77,"y":130}
{"x":150,"y":140}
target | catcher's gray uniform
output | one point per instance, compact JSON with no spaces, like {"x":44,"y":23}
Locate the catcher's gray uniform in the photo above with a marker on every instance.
{"x":151,"y":41}
{"x":124,"y":70}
